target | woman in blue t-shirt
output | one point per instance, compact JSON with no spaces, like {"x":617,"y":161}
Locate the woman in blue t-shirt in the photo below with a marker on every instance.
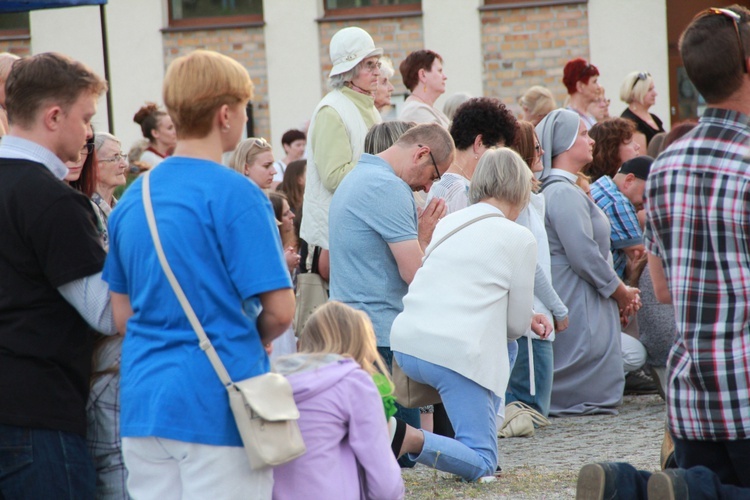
{"x":220,"y":239}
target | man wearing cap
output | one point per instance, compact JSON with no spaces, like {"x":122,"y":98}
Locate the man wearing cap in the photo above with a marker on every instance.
{"x":336,"y":136}
{"x":620,"y":198}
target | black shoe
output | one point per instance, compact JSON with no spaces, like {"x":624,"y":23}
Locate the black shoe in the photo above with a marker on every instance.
{"x":640,"y":382}
{"x":667,"y":485}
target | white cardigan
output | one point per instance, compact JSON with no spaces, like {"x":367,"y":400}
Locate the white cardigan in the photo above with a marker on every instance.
{"x":472,"y":294}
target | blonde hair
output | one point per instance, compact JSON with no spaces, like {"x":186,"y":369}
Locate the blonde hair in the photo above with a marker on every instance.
{"x":538,"y":100}
{"x":247,"y":151}
{"x":197,"y":85}
{"x":503,"y":175}
{"x":339,"y":329}
{"x":453,"y":102}
{"x":6,"y":63}
{"x":635,"y":87}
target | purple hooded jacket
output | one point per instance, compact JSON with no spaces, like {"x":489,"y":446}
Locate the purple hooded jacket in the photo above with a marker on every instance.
{"x":341,"y":418}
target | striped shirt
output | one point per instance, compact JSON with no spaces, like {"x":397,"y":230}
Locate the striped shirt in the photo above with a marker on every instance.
{"x":454,"y":189}
{"x":626,"y":232}
{"x":698,"y":223}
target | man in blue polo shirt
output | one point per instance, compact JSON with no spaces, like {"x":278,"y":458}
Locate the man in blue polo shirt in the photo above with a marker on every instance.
{"x":620,"y":198}
{"x":376,"y":239}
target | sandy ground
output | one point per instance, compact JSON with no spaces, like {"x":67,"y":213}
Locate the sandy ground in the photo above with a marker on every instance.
{"x":546,"y":465}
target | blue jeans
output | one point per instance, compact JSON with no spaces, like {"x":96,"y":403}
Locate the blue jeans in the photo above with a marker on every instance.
{"x":519,"y":386}
{"x":730,"y":460}
{"x":42,"y":463}
{"x":472,"y":410}
{"x":408,"y":415}
{"x":624,"y":481}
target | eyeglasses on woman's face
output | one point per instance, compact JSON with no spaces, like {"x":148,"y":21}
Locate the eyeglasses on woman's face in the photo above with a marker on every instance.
{"x":87,"y":149}
{"x":371,"y":65}
{"x":115,"y":159}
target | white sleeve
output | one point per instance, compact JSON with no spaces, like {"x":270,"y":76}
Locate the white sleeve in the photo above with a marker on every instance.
{"x":90,"y":297}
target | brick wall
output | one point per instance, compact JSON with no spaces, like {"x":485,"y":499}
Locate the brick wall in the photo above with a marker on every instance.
{"x":21,"y":48}
{"x":530,"y":46}
{"x":397,"y":36}
{"x":245,"y":45}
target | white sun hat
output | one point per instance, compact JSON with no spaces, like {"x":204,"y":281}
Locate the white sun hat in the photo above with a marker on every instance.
{"x":348,"y":47}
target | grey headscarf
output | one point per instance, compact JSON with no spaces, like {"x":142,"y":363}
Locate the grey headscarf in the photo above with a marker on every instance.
{"x":557,"y":133}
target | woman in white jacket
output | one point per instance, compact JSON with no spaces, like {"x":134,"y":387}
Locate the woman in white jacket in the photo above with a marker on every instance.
{"x":473,"y":292}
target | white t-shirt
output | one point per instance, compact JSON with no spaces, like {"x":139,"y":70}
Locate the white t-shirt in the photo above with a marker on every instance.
{"x":454,"y":189}
{"x":280,"y":167}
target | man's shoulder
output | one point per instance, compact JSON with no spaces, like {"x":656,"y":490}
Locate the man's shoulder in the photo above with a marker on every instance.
{"x":24,"y":176}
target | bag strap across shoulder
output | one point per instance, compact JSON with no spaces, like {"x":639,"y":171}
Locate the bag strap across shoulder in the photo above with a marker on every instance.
{"x":204,"y":342}
{"x":465,"y":224}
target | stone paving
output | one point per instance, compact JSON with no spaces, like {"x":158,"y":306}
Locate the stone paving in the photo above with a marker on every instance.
{"x":546,"y":465}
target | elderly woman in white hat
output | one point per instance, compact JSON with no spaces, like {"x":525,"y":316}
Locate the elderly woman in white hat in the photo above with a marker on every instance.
{"x":588,"y":366}
{"x":336,"y":136}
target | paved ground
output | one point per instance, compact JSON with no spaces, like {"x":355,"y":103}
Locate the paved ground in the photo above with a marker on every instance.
{"x":546,"y":465}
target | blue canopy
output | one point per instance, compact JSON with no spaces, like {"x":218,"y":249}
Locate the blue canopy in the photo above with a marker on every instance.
{"x":27,"y":5}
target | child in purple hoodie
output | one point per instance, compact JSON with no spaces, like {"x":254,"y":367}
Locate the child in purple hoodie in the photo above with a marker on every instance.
{"x":341,"y":413}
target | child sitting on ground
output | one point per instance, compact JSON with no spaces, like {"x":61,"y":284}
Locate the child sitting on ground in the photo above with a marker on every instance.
{"x":341,"y":412}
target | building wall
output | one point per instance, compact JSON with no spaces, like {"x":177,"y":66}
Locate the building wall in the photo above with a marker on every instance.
{"x":455,"y":34}
{"x":530,"y":46}
{"x":245,"y":45}
{"x":293,"y":64}
{"x":20,"y":47}
{"x":487,"y":52}
{"x":622,"y":41}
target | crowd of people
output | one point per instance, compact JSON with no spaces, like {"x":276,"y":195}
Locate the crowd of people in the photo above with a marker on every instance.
{"x":480,"y":258}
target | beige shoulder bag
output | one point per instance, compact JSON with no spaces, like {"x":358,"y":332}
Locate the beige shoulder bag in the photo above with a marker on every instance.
{"x":263,"y":406}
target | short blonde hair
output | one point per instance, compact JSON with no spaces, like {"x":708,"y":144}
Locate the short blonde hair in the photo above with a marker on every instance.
{"x":6,"y":63}
{"x":538,"y":100}
{"x":339,"y":329}
{"x":503,"y":175}
{"x":635,"y":87}
{"x":382,"y":136}
{"x":453,"y":102}
{"x":247,"y":151}
{"x":197,"y":85}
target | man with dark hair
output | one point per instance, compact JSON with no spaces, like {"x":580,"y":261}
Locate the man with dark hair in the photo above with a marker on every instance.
{"x":697,"y":234}
{"x":293,"y":141}
{"x":51,"y":262}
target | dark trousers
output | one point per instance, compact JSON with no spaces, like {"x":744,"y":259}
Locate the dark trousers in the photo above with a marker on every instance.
{"x":624,"y":481}
{"x":42,"y":463}
{"x":408,"y":415}
{"x":730,"y":460}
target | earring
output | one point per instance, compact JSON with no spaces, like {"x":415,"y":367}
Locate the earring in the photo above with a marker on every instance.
{"x":424,"y":89}
{"x":476,"y":157}
{"x":226,"y":128}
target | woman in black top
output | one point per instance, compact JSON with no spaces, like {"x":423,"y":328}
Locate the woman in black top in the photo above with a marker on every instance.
{"x":639,"y":93}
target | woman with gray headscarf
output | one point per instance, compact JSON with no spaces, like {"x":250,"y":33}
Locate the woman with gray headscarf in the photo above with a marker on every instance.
{"x":588,"y":368}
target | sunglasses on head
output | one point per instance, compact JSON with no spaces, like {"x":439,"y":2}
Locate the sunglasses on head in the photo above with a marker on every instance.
{"x":641,"y":76}
{"x":736,"y":20}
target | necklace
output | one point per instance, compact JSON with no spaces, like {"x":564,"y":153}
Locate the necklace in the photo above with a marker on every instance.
{"x":462,"y":171}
